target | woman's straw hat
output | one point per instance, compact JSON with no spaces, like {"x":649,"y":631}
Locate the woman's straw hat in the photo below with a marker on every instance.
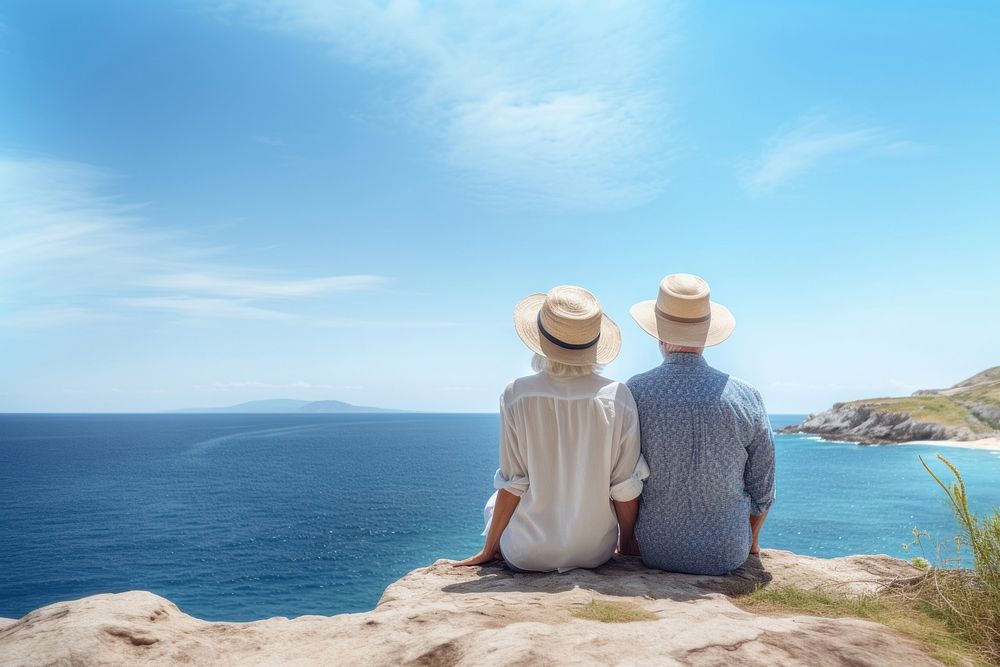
{"x":567,"y":325}
{"x":683,"y":315}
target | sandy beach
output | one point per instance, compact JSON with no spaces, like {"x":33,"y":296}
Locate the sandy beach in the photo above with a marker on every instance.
{"x":987,"y":444}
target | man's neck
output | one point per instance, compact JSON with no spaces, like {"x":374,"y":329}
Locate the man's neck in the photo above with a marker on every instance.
{"x":684,"y":358}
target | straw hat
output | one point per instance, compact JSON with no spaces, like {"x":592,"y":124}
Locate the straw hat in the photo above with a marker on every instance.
{"x":567,"y":325}
{"x":683,"y":315}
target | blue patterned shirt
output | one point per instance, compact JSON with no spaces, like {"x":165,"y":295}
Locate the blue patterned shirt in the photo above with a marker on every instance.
{"x":708,"y":443}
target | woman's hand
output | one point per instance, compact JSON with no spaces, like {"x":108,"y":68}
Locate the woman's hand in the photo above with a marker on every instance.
{"x":628,"y":547}
{"x":502,"y":512}
{"x":484,"y":556}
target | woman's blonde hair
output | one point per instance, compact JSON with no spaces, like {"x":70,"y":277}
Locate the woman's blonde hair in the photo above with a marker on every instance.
{"x":542,"y":364}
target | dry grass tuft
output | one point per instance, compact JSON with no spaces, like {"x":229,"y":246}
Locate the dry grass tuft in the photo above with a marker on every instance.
{"x":606,"y":611}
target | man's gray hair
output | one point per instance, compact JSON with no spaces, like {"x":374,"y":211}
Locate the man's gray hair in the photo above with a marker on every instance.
{"x":542,"y":364}
{"x":666,"y":348}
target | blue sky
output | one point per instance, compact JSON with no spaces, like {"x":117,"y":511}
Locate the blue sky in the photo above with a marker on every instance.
{"x":203,"y":203}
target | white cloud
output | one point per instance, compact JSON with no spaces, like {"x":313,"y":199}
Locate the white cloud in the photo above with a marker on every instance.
{"x":809,"y":141}
{"x":250,"y":288}
{"x":53,"y":210}
{"x":71,"y":251}
{"x":563,"y":101}
{"x":198,"y":307}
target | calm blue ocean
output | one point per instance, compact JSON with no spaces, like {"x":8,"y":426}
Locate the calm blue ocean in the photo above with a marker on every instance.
{"x":241,"y":517}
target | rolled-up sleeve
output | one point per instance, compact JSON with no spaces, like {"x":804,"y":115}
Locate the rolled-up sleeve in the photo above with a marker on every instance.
{"x":629,"y":468}
{"x":512,"y":475}
{"x":758,"y":476}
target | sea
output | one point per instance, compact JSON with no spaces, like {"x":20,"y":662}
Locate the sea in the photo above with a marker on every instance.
{"x":240,"y":517}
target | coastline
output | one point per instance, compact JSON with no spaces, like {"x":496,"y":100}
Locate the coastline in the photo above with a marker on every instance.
{"x":991,"y":444}
{"x":983,"y":444}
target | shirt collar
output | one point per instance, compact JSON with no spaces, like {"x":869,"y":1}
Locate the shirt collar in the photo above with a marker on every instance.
{"x":685,"y":359}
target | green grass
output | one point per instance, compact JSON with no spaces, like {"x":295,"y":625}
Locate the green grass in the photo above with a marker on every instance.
{"x":989,"y":394}
{"x":816,"y":603}
{"x":892,"y":611}
{"x":946,"y":408}
{"x":935,"y":409}
{"x":606,"y":611}
{"x":982,"y":398}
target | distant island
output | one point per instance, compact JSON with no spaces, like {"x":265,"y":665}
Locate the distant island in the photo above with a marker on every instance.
{"x":286,"y":406}
{"x":970,"y":410}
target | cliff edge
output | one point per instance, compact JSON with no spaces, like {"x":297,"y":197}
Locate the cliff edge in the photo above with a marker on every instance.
{"x":441,"y":615}
{"x":969,"y":410}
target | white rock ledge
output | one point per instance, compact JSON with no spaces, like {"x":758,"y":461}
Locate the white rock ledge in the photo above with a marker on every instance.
{"x":441,"y":615}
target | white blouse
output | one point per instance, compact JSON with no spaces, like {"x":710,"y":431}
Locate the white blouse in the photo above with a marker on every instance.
{"x":568,"y":447}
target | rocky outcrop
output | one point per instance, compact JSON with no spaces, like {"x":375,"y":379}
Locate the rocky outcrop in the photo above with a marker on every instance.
{"x":986,"y":413}
{"x":969,"y":410}
{"x":441,"y":615}
{"x":860,"y":423}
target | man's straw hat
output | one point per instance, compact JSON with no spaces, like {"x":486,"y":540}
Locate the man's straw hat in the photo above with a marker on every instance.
{"x":683,"y":315}
{"x":567,"y":325}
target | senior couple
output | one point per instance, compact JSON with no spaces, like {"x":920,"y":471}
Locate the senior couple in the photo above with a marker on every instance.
{"x":675,"y":466}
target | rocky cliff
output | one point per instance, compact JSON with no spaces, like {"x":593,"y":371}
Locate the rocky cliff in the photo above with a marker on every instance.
{"x":970,"y":410}
{"x":440,"y":615}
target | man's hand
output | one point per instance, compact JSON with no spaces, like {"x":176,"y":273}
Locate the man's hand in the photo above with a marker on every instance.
{"x":484,"y":556}
{"x":756,"y":523}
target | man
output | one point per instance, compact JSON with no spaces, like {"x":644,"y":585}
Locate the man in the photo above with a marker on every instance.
{"x":705,"y":436}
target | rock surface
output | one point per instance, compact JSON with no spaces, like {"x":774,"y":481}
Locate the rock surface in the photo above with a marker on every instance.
{"x":868,"y":426}
{"x":969,"y":410}
{"x":441,"y":615}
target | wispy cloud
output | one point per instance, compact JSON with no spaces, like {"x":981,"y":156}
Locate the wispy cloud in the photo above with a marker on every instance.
{"x":809,"y":141}
{"x":248,"y":288}
{"x":557,"y":101}
{"x":69,"y":251}
{"x":197,"y":307}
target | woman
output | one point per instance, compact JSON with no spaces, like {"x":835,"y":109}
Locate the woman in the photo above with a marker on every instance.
{"x":570,"y":469}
